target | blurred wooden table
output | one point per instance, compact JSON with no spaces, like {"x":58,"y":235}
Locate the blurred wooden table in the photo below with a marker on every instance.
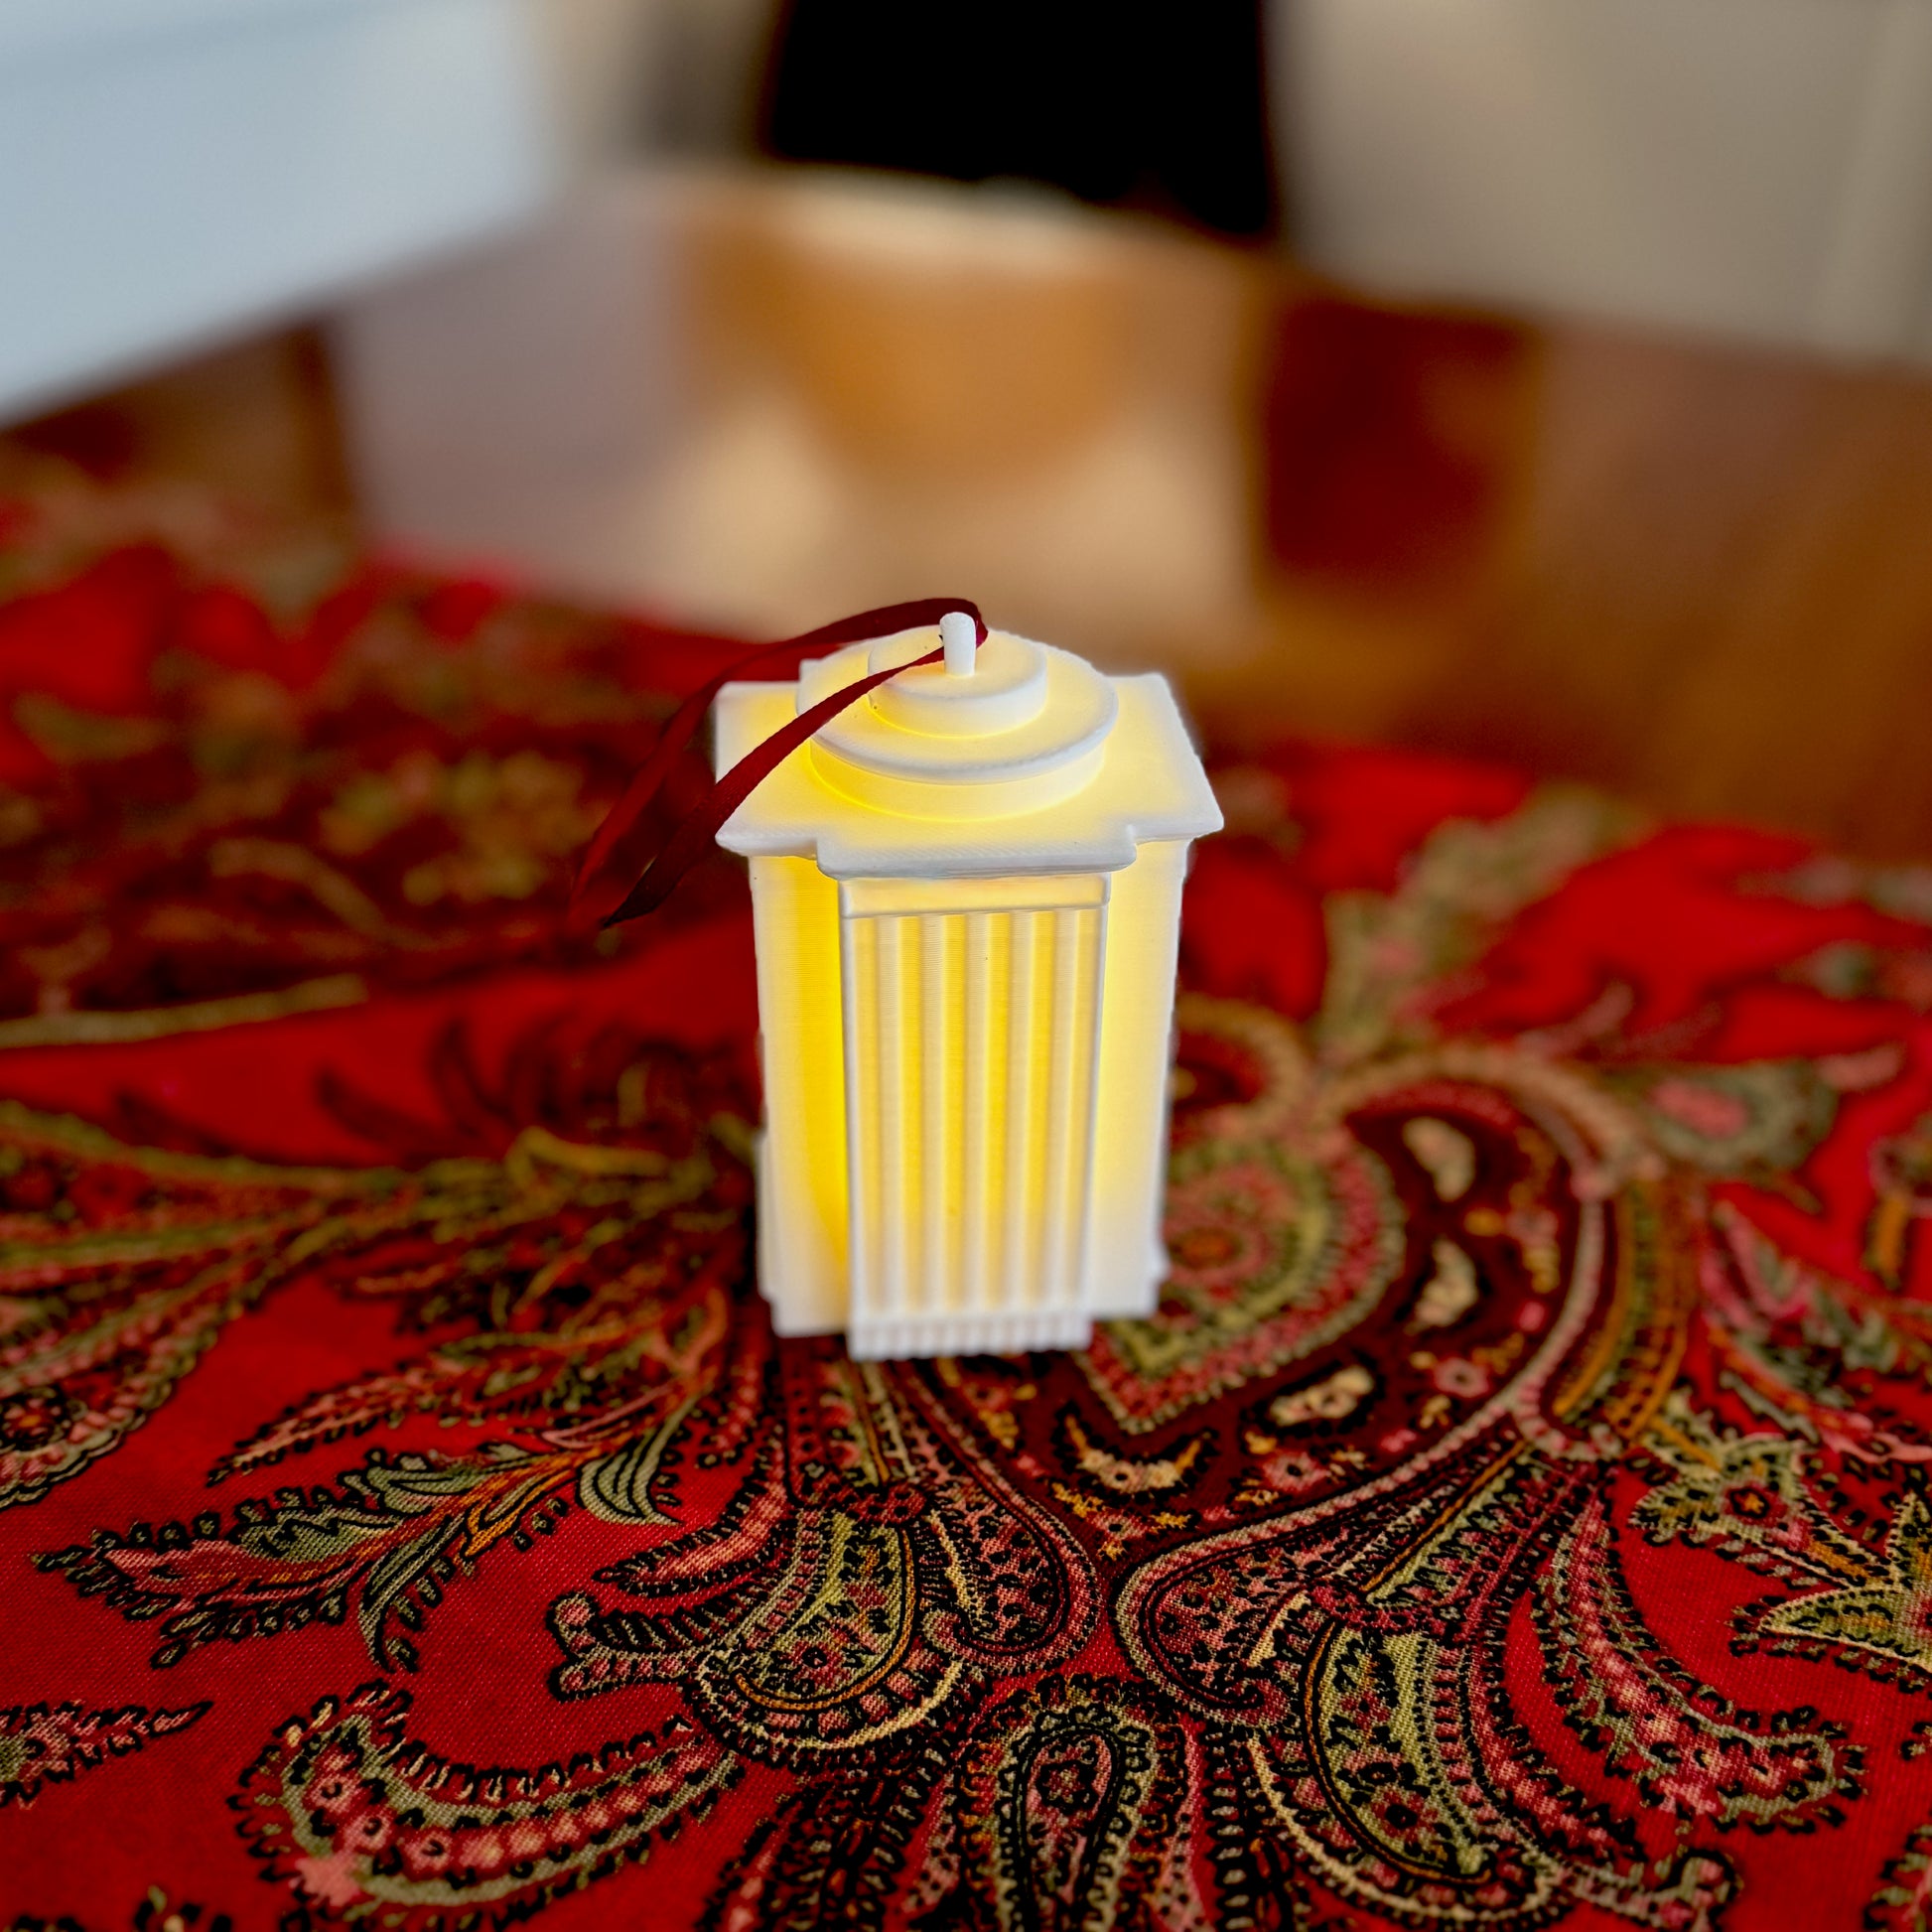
{"x":1700,"y":574}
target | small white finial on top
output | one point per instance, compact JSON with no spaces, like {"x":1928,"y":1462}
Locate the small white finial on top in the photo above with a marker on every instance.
{"x":960,"y":636}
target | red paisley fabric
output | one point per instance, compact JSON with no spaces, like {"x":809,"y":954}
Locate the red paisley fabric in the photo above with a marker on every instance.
{"x":1516,"y":1514}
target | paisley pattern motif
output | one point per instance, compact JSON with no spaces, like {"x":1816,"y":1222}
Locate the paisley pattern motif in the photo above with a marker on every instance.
{"x":1516,"y":1514}
{"x":355,"y":1816}
{"x":39,"y":1745}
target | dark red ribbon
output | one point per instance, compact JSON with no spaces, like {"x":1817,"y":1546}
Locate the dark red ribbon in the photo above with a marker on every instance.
{"x":624,"y":848}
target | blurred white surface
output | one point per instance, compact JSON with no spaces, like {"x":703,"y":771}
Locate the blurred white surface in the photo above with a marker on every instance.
{"x":174,"y":170}
{"x":1759,"y":168}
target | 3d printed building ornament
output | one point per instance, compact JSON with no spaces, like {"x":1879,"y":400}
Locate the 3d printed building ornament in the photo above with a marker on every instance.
{"x":966,"y":878}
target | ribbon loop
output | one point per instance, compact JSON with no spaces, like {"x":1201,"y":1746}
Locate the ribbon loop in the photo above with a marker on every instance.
{"x":627,"y":870}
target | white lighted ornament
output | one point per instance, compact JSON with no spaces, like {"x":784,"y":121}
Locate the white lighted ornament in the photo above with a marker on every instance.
{"x":967,"y":892}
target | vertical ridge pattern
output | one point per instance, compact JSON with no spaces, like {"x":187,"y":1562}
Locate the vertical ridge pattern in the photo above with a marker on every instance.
{"x":979,"y":1108}
{"x":972,"y":1053}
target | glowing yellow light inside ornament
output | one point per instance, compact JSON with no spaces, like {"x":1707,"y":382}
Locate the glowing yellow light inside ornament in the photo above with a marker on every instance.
{"x":967,"y":895}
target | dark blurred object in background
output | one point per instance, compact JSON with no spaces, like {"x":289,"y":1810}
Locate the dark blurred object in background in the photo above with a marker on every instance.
{"x":1154,"y":106}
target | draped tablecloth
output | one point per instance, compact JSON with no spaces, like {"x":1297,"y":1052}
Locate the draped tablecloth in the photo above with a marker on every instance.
{"x":1515,"y":1515}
